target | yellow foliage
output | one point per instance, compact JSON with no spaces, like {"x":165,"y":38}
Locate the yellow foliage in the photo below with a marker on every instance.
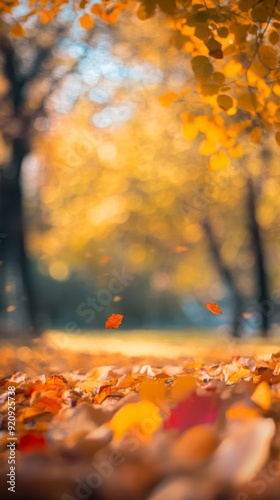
{"x":256,"y":135}
{"x":218,"y":161}
{"x":189,"y":131}
{"x":168,"y":98}
{"x":143,"y":417}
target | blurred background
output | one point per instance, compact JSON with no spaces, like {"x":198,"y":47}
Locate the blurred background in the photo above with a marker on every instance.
{"x":107,"y":204}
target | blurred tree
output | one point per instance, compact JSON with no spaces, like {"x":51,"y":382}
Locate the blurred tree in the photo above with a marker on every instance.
{"x":233,"y":94}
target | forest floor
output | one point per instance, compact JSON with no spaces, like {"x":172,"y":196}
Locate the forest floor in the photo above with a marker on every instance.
{"x":138,"y":416}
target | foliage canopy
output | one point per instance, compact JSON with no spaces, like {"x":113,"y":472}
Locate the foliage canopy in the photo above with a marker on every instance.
{"x":233,"y":51}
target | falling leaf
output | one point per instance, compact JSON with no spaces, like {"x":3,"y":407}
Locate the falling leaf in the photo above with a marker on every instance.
{"x":117,"y":298}
{"x":181,"y":249}
{"x":11,"y":308}
{"x":114,"y":321}
{"x":105,"y":259}
{"x":214,"y":308}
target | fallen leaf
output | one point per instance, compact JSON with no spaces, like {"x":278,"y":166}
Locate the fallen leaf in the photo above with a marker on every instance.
{"x":244,"y":451}
{"x":31,"y":441}
{"x":262,"y":395}
{"x":194,"y":410}
{"x":195,"y":444}
{"x":143,"y":417}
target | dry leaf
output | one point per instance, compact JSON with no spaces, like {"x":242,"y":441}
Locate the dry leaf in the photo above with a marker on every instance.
{"x":114,"y":321}
{"x":214,"y":308}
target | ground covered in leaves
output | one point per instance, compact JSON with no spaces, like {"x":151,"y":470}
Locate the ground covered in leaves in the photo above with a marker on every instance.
{"x":117,"y":428}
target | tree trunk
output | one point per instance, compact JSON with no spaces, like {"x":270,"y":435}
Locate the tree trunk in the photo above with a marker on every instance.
{"x":12,"y":248}
{"x":262,"y":282}
{"x":227,"y":277}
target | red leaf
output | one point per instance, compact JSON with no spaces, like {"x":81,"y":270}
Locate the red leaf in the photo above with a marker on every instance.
{"x":114,"y":321}
{"x":214,"y":308}
{"x":31,"y":441}
{"x":194,"y":410}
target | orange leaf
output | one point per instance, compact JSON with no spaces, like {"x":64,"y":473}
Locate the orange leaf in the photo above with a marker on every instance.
{"x":262,"y":395}
{"x":106,"y":258}
{"x":114,"y":321}
{"x":214,"y":308}
{"x":168,"y":98}
{"x":117,"y":298}
{"x":86,"y":21}
{"x":17,"y":30}
{"x":181,"y":249}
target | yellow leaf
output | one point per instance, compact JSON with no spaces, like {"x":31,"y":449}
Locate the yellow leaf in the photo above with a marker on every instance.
{"x":239,"y":374}
{"x":153,"y":390}
{"x":262,"y":395}
{"x":202,"y":67}
{"x":17,"y":30}
{"x":232,"y":68}
{"x":220,"y":160}
{"x":208,"y":148}
{"x":276,"y":89}
{"x":268,"y":56}
{"x":235,"y":129}
{"x":168,"y":98}
{"x":143,"y":417}
{"x":189,"y":131}
{"x":86,"y":21}
{"x":225,"y":101}
{"x":240,"y":411}
{"x":236,"y":151}
{"x":182,"y":387}
{"x":247,"y":102}
{"x":256,"y":135}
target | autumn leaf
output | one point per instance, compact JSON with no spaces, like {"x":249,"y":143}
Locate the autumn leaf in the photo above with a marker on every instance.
{"x":168,"y":98}
{"x":105,"y":259}
{"x":194,"y":410}
{"x":17,"y":30}
{"x":181,"y":249}
{"x":262,"y":395}
{"x":114,"y":321}
{"x":86,"y":22}
{"x":143,"y":417}
{"x":31,"y":442}
{"x":214,"y":308}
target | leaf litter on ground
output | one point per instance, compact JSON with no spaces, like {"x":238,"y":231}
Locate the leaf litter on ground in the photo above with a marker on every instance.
{"x":111,"y":427}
